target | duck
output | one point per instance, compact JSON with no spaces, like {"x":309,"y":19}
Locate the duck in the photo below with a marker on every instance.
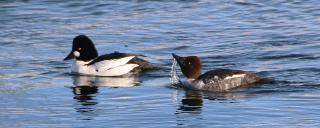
{"x":87,"y":62}
{"x":217,"y":80}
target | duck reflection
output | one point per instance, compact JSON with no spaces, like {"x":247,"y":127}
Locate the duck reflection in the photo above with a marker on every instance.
{"x":86,"y":89}
{"x":191,"y":102}
{"x":85,"y":94}
{"x":127,"y":81}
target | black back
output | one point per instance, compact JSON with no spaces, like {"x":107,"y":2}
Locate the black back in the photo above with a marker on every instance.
{"x":111,"y":56}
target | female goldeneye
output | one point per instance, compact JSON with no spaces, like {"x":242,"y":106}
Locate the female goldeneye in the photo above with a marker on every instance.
{"x":87,"y":61}
{"x":215,"y":80}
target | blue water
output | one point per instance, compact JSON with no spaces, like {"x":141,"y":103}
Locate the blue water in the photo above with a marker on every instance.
{"x":277,"y":39}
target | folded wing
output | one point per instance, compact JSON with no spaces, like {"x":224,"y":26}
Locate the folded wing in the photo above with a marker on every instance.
{"x":112,"y":63}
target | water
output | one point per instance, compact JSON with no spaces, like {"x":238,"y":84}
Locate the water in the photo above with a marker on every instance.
{"x":278,"y":39}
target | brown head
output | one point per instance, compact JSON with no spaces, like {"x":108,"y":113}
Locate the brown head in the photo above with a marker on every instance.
{"x":190,"y":66}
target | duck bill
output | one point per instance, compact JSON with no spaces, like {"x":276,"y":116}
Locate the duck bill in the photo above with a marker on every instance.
{"x":70,"y":56}
{"x":179,"y":59}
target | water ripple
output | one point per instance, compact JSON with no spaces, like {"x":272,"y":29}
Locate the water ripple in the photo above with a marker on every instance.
{"x":277,"y":39}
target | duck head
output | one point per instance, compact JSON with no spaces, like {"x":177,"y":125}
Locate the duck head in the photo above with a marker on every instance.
{"x":82,"y":49}
{"x":190,"y":66}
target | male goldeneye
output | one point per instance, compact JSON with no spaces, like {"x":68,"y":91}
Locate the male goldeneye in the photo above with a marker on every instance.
{"x":87,"y":61}
{"x":214,"y":80}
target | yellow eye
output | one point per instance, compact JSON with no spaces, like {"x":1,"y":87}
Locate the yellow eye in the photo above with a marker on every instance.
{"x":79,"y":49}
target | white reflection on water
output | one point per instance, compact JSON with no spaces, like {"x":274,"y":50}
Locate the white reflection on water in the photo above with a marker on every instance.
{"x":86,"y":90}
{"x":105,"y":81}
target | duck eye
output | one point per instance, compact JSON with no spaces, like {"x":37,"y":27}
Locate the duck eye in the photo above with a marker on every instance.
{"x":79,"y":49}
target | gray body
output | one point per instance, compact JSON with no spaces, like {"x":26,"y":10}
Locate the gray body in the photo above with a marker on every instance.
{"x":221,"y":80}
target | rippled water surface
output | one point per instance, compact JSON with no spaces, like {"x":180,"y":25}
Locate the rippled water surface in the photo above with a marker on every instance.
{"x":278,"y":39}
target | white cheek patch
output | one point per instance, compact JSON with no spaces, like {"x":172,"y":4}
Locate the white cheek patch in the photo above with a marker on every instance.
{"x":76,"y":53}
{"x":235,"y":76}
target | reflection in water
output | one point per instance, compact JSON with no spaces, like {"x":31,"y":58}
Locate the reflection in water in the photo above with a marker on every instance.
{"x":85,"y":95}
{"x":191,"y":102}
{"x":190,"y":105}
{"x":105,"y":81}
{"x":85,"y":90}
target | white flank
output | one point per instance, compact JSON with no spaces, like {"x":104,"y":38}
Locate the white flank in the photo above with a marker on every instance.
{"x":235,"y":76}
{"x":117,"y":71}
{"x":108,"y":64}
{"x":105,"y":68}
